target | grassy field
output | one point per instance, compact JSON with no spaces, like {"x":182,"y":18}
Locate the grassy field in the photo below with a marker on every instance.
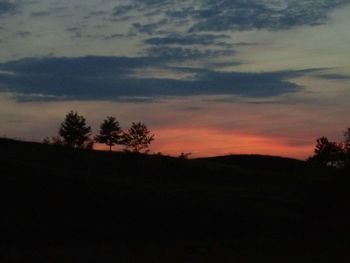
{"x":66,"y":205}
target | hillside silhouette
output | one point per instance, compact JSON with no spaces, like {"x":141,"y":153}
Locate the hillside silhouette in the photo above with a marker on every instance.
{"x":96,"y":206}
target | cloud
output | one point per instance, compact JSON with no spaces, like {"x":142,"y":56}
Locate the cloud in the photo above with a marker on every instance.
{"x":76,"y":31}
{"x":6,"y":7}
{"x":189,"y":39}
{"x":271,"y":15}
{"x":39,"y":14}
{"x":150,"y":28}
{"x":113,"y":78}
{"x":333,"y":76}
{"x":22,"y":34}
{"x":123,"y":9}
{"x":208,"y":15}
{"x":114,"y":36}
{"x":180,"y":53}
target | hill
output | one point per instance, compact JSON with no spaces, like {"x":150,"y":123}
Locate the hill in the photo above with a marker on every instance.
{"x":94,"y":206}
{"x":261,"y":162}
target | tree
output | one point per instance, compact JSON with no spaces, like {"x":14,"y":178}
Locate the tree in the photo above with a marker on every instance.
{"x":184,"y":155}
{"x":346,"y":146}
{"x":55,"y":140}
{"x":110,"y":133}
{"x":327,"y":153}
{"x":138,"y":137}
{"x":346,"y":142}
{"x":74,"y":131}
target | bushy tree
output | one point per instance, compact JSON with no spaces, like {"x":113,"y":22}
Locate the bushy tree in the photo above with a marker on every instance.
{"x":74,"y":131}
{"x":110,"y":133}
{"x":184,"y":155}
{"x":46,"y":140}
{"x":327,"y":153}
{"x":138,"y":137}
{"x":346,"y":146}
{"x":55,"y":140}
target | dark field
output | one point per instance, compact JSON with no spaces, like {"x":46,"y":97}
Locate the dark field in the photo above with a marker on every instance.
{"x":66,"y":205}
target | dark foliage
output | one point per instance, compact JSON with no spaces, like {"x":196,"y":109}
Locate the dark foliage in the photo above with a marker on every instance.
{"x":138,"y":137}
{"x":184,"y":155}
{"x":347,"y":147}
{"x":110,"y":133}
{"x":74,"y":131}
{"x":328,"y":153}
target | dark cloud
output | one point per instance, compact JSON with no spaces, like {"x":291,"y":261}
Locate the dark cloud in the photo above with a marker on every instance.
{"x":76,"y":31}
{"x":114,"y":36}
{"x":182,"y":13}
{"x":39,"y":14}
{"x":121,"y":18}
{"x":221,"y":15}
{"x":22,"y":34}
{"x":150,"y":28}
{"x":113,"y":78}
{"x":188,"y":39}
{"x":276,"y":15}
{"x":180,"y":53}
{"x":83,"y":66}
{"x":97,"y":13}
{"x":333,"y":76}
{"x":123,"y":9}
{"x":6,"y":7}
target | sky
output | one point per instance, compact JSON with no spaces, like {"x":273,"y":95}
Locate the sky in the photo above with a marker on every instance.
{"x":206,"y":77}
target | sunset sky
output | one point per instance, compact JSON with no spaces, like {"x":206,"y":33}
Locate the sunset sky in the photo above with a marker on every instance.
{"x":207,"y":77}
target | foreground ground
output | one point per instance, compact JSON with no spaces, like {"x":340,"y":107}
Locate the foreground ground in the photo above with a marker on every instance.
{"x":62,"y":205}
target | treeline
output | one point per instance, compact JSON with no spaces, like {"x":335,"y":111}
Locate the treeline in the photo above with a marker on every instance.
{"x":75,"y":133}
{"x":329,"y":153}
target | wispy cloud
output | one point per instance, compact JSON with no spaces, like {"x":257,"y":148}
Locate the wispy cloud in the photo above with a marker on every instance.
{"x":333,"y":76}
{"x":271,"y":15}
{"x":207,"y":15}
{"x":22,"y":34}
{"x":40,"y":13}
{"x":189,"y":39}
{"x":123,"y":9}
{"x":149,"y":28}
{"x":180,"y":53}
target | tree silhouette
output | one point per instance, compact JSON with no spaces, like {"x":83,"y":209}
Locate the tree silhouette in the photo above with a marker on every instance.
{"x":74,"y":131}
{"x":138,"y":137}
{"x":326,"y":152}
{"x":346,"y":145}
{"x":184,"y":155}
{"x":55,"y":140}
{"x":110,"y":133}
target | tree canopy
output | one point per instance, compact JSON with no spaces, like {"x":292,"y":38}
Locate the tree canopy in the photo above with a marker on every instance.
{"x":138,"y":137}
{"x":327,"y":152}
{"x":346,"y":146}
{"x":110,"y":133}
{"x":74,"y":131}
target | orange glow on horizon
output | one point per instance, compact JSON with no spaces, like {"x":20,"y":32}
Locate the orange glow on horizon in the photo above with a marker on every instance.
{"x":205,"y":142}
